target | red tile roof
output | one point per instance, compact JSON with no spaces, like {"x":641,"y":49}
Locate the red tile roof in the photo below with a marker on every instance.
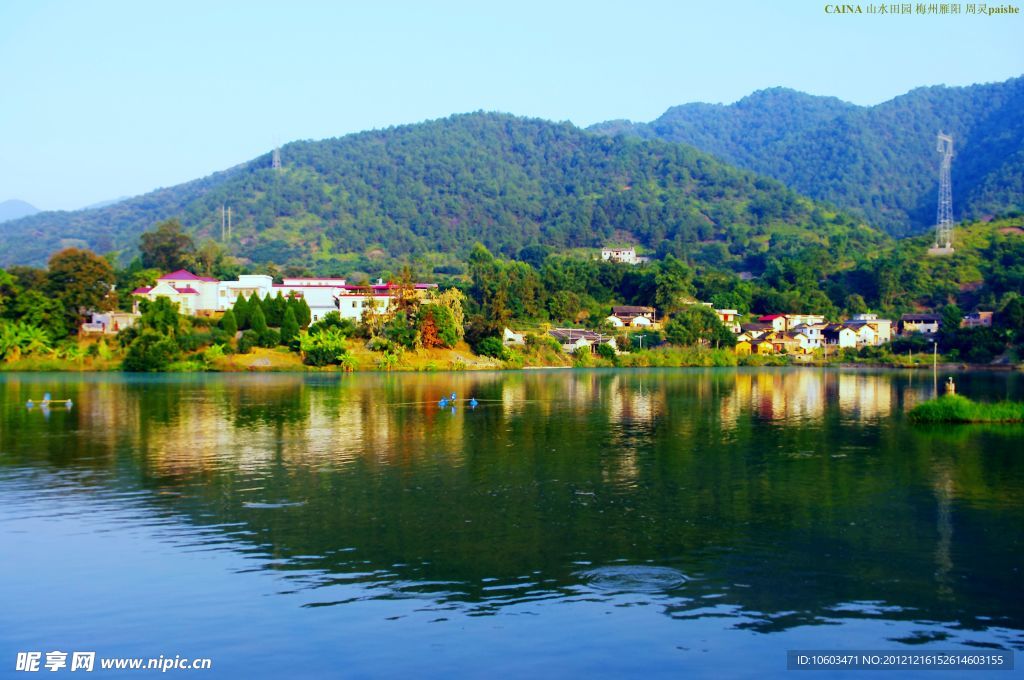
{"x":184,"y":275}
{"x":142,"y":291}
{"x":188,"y":291}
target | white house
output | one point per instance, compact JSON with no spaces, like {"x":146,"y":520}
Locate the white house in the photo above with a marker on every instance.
{"x":632,"y":316}
{"x":623,"y":256}
{"x":572,"y":339}
{"x":805,"y":319}
{"x":920,"y":323}
{"x":882,"y":327}
{"x":839,"y":336}
{"x":509,"y":338}
{"x":866,"y":335}
{"x":203,"y":296}
{"x":814,"y":334}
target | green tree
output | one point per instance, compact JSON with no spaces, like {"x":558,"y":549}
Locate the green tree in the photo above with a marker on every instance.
{"x":228,"y":324}
{"x":289,"y":326}
{"x":697,"y":324}
{"x":674,"y":282}
{"x":81,"y":280}
{"x":951,"y":318}
{"x":257,"y":322}
{"x":167,"y":247}
{"x":242,"y":310}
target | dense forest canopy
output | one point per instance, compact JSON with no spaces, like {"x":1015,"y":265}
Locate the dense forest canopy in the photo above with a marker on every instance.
{"x":439,"y":187}
{"x":878,"y":161}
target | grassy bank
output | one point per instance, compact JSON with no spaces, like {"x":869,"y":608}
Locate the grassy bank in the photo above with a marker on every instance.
{"x":953,"y":408}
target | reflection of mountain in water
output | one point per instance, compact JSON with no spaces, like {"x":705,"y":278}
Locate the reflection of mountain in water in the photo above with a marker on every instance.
{"x":792,"y":496}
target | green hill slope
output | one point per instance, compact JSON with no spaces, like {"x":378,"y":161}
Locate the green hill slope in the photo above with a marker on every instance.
{"x":878,"y":161}
{"x":443,"y":185}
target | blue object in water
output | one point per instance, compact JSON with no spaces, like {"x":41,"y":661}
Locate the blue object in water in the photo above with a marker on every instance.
{"x":443,"y":402}
{"x":472,"y":402}
{"x":70,"y":403}
{"x":453,"y":410}
{"x":46,"y":397}
{"x":453,"y":396}
{"x":29,"y":404}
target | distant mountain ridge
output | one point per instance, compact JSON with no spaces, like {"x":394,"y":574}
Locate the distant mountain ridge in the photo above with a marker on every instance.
{"x":15,"y":209}
{"x":878,"y":161}
{"x":442,"y":185}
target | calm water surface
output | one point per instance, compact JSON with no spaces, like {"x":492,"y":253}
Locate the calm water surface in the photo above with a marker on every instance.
{"x":633,"y":523}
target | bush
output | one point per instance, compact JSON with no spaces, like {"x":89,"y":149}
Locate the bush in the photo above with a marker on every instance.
{"x":379,"y":344}
{"x":492,"y":347}
{"x":606,"y":351}
{"x":347,"y":327}
{"x":249,"y":339}
{"x":325,"y":348}
{"x":269,"y":338}
{"x":150,"y":351}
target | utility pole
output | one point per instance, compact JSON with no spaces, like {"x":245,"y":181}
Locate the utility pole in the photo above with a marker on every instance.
{"x":223,"y":223}
{"x":229,"y":223}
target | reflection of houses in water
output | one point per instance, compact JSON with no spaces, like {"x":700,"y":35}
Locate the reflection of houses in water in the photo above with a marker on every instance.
{"x":864,"y":396}
{"x":785,"y":396}
{"x":628,"y":403}
{"x":513,"y":397}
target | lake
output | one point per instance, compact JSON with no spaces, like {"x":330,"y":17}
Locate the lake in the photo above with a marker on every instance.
{"x":612,"y":523}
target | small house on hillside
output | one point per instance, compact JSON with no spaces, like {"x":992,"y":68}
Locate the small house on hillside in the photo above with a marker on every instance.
{"x":632,"y":316}
{"x":572,"y":339}
{"x":920,"y":323}
{"x":977,"y":320}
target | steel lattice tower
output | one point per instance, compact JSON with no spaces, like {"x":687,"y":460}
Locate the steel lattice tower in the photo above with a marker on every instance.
{"x":275,"y":161}
{"x":944,"y":218}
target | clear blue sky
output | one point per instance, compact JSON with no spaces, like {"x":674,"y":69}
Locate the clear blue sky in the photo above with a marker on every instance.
{"x":105,"y":99}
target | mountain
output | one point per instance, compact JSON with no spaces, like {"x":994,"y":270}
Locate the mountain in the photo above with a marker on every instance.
{"x":104,"y":204}
{"x":14,"y":209}
{"x":442,"y":185}
{"x":878,"y":161}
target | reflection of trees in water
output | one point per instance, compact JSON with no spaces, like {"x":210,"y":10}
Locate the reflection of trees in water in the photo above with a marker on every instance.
{"x":783,"y":493}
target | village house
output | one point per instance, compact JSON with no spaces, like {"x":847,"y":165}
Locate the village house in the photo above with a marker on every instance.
{"x":977,"y":320}
{"x":776,"y":321}
{"x":790,"y":343}
{"x":920,"y":323}
{"x":866,"y":335}
{"x":634,"y":317}
{"x":839,"y":336}
{"x":205,"y":296}
{"x":793,"y":320}
{"x":729,"y":317}
{"x":881,"y":327}
{"x":510,"y":338}
{"x":755,"y":346}
{"x":814,"y":334}
{"x":572,"y":339}
{"x":756,"y":329}
{"x":622,"y":256}
{"x":109,"y":323}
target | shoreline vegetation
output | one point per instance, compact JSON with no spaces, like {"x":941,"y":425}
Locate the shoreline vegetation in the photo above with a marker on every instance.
{"x":957,"y":409}
{"x":461,"y":358}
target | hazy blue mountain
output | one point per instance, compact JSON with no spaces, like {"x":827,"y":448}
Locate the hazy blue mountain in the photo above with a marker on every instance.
{"x":13,"y":209}
{"x":879,"y":161}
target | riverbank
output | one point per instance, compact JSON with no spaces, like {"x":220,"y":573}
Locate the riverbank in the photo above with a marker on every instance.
{"x":461,"y":358}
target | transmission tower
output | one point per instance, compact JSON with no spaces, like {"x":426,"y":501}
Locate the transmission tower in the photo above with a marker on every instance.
{"x":275,"y":161}
{"x":944,"y":219}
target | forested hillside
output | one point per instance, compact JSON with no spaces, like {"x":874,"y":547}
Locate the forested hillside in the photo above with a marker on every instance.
{"x":441,"y":186}
{"x":879,"y":161}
